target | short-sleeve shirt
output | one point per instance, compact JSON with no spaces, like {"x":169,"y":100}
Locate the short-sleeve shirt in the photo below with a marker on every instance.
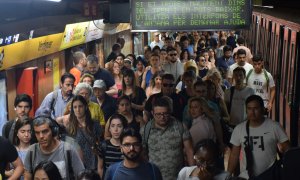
{"x":8,"y":153}
{"x":259,"y":83}
{"x":247,"y":68}
{"x":238,"y":108}
{"x":145,"y":171}
{"x":165,"y":147}
{"x":113,"y":154}
{"x":106,"y":76}
{"x":58,"y":157}
{"x":264,"y":141}
{"x":186,"y":172}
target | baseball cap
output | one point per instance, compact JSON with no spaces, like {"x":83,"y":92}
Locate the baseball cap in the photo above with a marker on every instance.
{"x":99,"y":84}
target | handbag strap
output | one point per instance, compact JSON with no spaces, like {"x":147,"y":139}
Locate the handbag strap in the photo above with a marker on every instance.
{"x":248,"y":152}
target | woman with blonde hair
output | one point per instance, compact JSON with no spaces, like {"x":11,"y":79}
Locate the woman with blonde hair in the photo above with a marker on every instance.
{"x":215,"y":76}
{"x":87,"y":78}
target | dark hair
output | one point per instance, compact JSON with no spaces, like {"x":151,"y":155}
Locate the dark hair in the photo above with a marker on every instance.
{"x":116,"y":47}
{"x":210,"y":145}
{"x":123,"y":97}
{"x":50,"y":168}
{"x":241,"y":51}
{"x":19,"y":124}
{"x":65,"y":76}
{"x":162,"y":102}
{"x":157,"y":74}
{"x":88,"y":174}
{"x":168,"y":77}
{"x":155,"y":48}
{"x":168,"y":38}
{"x":239,"y":69}
{"x":23,"y":98}
{"x":227,"y":48}
{"x":257,"y":99}
{"x":182,"y":53}
{"x":257,"y":58}
{"x":130,"y":132}
{"x":169,"y":49}
{"x":122,"y":55}
{"x":199,"y":83}
{"x":118,"y":116}
{"x":188,"y":74}
{"x":240,"y":40}
{"x":73,"y":125}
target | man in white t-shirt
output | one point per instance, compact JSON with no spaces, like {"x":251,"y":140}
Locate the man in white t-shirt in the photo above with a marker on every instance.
{"x":264,"y":137}
{"x":241,"y":62}
{"x":156,"y":41}
{"x":261,"y":81}
{"x":241,"y":45}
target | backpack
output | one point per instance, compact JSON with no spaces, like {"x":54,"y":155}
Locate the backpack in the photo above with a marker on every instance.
{"x":67,"y":157}
{"x":265,"y":74}
{"x":53,"y":101}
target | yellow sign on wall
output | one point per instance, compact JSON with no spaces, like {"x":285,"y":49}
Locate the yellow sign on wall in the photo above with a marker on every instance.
{"x":74,"y":34}
{"x":24,"y":51}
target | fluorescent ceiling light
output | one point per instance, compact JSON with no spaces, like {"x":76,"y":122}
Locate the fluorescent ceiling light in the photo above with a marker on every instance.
{"x":54,"y":0}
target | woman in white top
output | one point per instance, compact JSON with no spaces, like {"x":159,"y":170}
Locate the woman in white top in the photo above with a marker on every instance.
{"x":206,"y":157}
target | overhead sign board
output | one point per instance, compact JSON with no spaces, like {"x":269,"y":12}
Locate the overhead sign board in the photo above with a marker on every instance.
{"x":190,"y":14}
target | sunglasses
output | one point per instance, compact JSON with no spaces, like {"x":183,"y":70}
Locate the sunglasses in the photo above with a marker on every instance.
{"x":168,"y":85}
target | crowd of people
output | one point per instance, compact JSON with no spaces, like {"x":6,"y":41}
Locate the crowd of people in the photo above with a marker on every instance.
{"x":160,"y":115}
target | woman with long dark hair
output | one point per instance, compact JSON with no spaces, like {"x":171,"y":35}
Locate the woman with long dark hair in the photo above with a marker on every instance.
{"x":46,"y":170}
{"x":85,"y":131}
{"x":136,"y":94}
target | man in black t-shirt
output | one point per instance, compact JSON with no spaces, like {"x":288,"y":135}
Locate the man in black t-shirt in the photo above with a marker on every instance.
{"x":9,"y":154}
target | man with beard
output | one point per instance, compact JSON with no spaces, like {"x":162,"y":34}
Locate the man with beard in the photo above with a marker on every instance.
{"x":241,"y":62}
{"x":55,"y":102}
{"x":226,"y":60}
{"x":174,"y":66}
{"x":132,"y":167}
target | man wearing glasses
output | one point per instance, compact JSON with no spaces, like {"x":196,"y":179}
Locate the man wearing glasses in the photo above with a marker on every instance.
{"x":166,"y":139}
{"x":167,"y":89}
{"x":132,"y":167}
{"x":174,"y":66}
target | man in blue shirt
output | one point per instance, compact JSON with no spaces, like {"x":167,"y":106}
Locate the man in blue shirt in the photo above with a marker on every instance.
{"x":132,"y":167}
{"x":55,"y":102}
{"x":227,"y":59}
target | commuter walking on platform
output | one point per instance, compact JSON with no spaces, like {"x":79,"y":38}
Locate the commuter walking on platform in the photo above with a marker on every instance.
{"x":166,"y":140}
{"x":241,"y":62}
{"x":23,"y":105}
{"x":101,"y":73}
{"x":132,"y":167}
{"x":80,"y":62}
{"x":257,"y":139}
{"x":262,"y":82}
{"x":50,"y":148}
{"x":55,"y":102}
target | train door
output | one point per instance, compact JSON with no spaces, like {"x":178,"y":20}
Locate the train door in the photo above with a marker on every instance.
{"x":27,"y":83}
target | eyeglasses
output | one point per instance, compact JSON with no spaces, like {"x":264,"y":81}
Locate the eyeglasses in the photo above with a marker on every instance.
{"x":172,"y":54}
{"x":168,"y":85}
{"x":203,"y":162}
{"x":161,"y":115}
{"x":133,"y":145}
